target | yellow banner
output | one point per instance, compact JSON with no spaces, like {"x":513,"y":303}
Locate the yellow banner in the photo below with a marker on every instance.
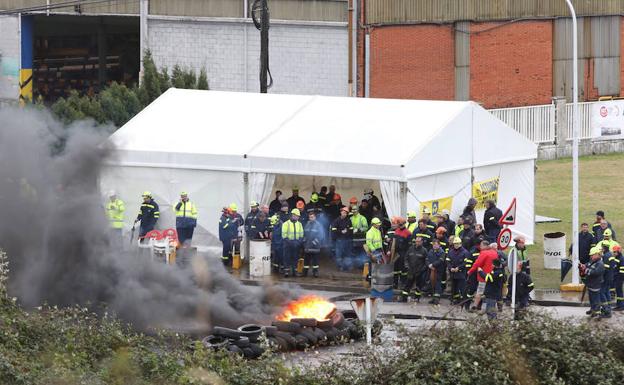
{"x":484,"y":191}
{"x":437,"y":205}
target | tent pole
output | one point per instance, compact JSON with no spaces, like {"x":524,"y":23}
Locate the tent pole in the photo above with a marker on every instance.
{"x":246,"y":211}
{"x":403,"y":198}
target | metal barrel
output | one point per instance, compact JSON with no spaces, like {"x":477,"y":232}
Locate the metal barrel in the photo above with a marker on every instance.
{"x":382,"y":276}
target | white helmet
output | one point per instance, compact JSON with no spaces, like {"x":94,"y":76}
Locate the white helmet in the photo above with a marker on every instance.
{"x":112,"y":193}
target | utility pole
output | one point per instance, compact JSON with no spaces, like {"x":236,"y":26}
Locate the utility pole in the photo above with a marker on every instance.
{"x":260,"y":7}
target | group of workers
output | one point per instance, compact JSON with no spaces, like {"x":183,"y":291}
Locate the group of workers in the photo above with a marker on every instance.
{"x":427,"y":255}
{"x":601,"y":266}
{"x":149,"y":214}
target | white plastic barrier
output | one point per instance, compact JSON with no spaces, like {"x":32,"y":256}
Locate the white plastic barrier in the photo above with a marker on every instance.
{"x":259,"y":258}
{"x":554,"y":250}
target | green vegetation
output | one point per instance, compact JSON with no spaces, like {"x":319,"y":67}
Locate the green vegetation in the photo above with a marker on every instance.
{"x":74,"y":346}
{"x":600,"y":189}
{"x":117,"y":103}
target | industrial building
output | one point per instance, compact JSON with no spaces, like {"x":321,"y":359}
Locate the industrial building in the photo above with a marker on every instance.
{"x":48,"y":47}
{"x":500,"y":53}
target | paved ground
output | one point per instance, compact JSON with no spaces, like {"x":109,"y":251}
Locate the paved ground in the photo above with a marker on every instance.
{"x":414,"y":316}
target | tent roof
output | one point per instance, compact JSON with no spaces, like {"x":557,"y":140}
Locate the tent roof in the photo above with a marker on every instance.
{"x":315,"y":135}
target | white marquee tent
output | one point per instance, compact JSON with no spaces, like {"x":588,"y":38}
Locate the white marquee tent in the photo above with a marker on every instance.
{"x":226,"y":147}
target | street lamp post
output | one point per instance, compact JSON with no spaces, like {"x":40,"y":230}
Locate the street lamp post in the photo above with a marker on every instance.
{"x":575,"y":144}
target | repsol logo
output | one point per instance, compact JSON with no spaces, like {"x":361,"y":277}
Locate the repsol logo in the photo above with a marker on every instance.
{"x":489,"y":186}
{"x":552,"y":253}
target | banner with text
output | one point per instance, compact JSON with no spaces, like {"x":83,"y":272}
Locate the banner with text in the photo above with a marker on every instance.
{"x":437,"y":205}
{"x":607,"y":120}
{"x":484,"y":191}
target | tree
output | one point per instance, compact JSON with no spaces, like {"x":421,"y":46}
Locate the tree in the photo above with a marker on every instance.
{"x":202,"y":81}
{"x":118,"y":103}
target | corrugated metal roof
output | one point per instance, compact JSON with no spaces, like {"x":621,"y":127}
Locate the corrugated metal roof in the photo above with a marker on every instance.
{"x":428,"y":11}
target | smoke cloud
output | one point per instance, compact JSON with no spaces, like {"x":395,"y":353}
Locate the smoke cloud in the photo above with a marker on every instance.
{"x":54,"y":229}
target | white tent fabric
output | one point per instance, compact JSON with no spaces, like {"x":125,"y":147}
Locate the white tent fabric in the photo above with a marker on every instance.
{"x":391,"y":192}
{"x":260,"y":187}
{"x":210,"y":139}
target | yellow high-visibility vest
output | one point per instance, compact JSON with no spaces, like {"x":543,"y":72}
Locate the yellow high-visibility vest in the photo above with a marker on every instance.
{"x":115,"y":212}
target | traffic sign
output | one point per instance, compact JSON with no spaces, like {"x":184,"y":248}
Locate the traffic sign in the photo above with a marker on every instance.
{"x":509,"y":218}
{"x":504,"y":239}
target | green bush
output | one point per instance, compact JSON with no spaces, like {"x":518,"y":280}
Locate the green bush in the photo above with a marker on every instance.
{"x":117,"y":104}
{"x":49,"y":345}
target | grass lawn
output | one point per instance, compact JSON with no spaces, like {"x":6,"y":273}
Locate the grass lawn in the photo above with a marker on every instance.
{"x":601,"y":188}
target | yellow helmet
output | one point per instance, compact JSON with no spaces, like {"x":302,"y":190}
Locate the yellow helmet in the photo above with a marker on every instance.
{"x":233,"y":207}
{"x":607,"y":233}
{"x":375,"y":221}
{"x":147,"y":194}
{"x":411,"y":214}
{"x":296,"y":212}
{"x":595,"y":250}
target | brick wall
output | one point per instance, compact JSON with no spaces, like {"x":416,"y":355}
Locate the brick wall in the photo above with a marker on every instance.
{"x":9,"y":57}
{"x":310,"y":58}
{"x":413,"y":62}
{"x":511,"y":64}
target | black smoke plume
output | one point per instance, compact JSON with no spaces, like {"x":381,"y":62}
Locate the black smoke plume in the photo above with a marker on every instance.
{"x":54,"y":229}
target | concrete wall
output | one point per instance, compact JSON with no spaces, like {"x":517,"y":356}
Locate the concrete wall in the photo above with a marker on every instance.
{"x":586,"y":147}
{"x":9,"y":57}
{"x":304,"y":57}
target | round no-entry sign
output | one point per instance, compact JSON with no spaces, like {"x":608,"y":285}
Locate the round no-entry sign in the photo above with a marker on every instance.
{"x":504,"y":239}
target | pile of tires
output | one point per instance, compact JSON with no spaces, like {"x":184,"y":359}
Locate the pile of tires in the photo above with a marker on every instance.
{"x":251,"y":340}
{"x":245,"y":341}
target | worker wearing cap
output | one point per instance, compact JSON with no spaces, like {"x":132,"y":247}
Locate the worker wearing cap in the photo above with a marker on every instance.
{"x":186,"y":219}
{"x":602,"y":229}
{"x":251,"y":215}
{"x":277,"y":249}
{"x":374,"y":241}
{"x":426,"y":215}
{"x":618,"y":281}
{"x":519,"y":253}
{"x":593,"y":272}
{"x":292,"y":235}
{"x":148,"y":214}
{"x":304,"y":218}
{"x":314,"y":205}
{"x":342,"y":233}
{"x":447,"y":222}
{"x":294,"y":198}
{"x":412,"y":222}
{"x":607,"y":240}
{"x":232,"y":234}
{"x":115,"y":211}
{"x":284,"y":213}
{"x":456,"y":261}
{"x":607,"y":290}
{"x":224,"y":234}
{"x":400,"y":240}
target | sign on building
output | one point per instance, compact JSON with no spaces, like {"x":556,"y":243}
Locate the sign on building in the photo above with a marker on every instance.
{"x":607,"y":120}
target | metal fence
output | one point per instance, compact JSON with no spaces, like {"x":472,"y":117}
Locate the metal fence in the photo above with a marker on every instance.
{"x":535,"y":122}
{"x":584,"y":120}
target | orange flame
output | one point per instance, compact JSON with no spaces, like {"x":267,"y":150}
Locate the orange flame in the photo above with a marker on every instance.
{"x":309,"y":306}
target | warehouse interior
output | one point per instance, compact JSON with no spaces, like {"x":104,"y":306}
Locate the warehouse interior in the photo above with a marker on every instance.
{"x":83,"y":53}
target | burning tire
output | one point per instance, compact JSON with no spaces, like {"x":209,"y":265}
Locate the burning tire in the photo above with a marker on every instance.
{"x":288,"y":327}
{"x":309,"y":322}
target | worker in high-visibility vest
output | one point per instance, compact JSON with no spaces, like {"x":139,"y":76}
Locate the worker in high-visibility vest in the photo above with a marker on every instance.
{"x":115,"y":211}
{"x":186,"y":219}
{"x":292,"y":237}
